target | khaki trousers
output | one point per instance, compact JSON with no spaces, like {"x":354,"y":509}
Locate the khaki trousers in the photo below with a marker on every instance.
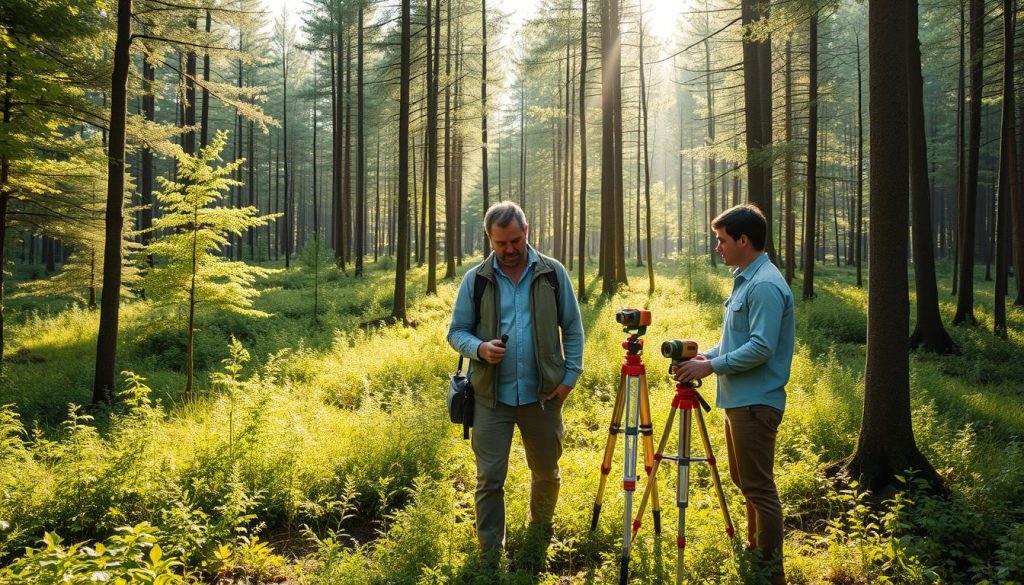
{"x":750,"y":433}
{"x":542,"y":432}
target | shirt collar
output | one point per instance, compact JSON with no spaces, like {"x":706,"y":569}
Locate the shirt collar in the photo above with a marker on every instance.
{"x":752,"y":268}
{"x":531,"y":259}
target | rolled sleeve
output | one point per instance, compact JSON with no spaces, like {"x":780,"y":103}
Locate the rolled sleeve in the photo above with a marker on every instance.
{"x":572,"y":329}
{"x":766,"y":305}
{"x":461,"y":329}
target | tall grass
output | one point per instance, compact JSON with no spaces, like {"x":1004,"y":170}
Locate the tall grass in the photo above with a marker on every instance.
{"x":326,"y":457}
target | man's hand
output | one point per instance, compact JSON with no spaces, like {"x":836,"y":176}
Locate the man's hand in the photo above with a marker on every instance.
{"x":561,"y":392}
{"x":693,"y":369}
{"x":491,"y":351}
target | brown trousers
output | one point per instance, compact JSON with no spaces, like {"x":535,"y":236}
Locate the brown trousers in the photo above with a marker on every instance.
{"x":542,"y":432}
{"x":750,"y":433}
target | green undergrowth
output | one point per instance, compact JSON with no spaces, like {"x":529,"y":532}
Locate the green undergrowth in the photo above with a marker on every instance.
{"x":317,"y":451}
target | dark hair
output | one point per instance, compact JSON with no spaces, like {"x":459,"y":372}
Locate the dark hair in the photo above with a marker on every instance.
{"x":743,"y":220}
{"x":503,"y":214}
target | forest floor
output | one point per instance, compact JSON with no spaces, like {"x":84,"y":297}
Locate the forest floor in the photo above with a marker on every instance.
{"x":319,"y":452}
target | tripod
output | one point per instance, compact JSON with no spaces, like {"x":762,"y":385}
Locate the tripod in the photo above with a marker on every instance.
{"x":688,"y":400}
{"x":633,"y":401}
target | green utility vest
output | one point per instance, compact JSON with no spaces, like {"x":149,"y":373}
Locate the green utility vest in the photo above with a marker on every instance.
{"x":547,"y":341}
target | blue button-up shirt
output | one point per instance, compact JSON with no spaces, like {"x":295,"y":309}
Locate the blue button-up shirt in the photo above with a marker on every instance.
{"x":753,"y":358}
{"x":518,"y":378}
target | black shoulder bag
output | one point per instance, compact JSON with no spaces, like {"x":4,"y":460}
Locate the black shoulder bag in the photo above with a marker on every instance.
{"x":460,"y":400}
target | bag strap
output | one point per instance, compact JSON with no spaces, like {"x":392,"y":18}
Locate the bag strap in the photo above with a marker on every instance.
{"x":458,"y":370}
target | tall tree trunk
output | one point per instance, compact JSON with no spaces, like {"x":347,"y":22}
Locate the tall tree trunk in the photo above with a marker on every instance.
{"x":757,"y":100}
{"x":581,"y":289}
{"x":189,"y":104}
{"x":968,"y":213}
{"x":790,"y":238}
{"x":346,"y":161}
{"x":647,"y":166}
{"x":1007,"y":174}
{"x":483,"y":120}
{"x":106,"y":340}
{"x":859,"y":235}
{"x":614,"y":18}
{"x":337,"y":55}
{"x":811,"y":196}
{"x":288,"y":219}
{"x":709,"y":181}
{"x":607,"y":154}
{"x":449,"y":174}
{"x":433,"y":72}
{"x":146,"y":183}
{"x":5,"y":197}
{"x":398,"y":306}
{"x":886,"y":447}
{"x":360,"y":240}
{"x":928,"y":331}
{"x":204,"y":124}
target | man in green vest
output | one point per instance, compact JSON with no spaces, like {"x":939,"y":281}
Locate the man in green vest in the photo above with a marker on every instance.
{"x":522,"y":382}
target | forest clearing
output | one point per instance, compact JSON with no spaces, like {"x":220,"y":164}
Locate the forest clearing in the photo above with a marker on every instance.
{"x":242,"y":248}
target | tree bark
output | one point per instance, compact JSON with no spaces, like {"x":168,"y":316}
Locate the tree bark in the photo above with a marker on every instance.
{"x":360,"y":239}
{"x":398,"y":305}
{"x":790,"y":240}
{"x":581,"y":289}
{"x":1007,"y":175}
{"x":859,"y":236}
{"x":968,"y":213}
{"x":483,"y":118}
{"x":811,"y":195}
{"x":757,"y":100}
{"x":647,"y":166}
{"x":106,"y":341}
{"x":929,"y":332}
{"x":433,"y":72}
{"x":886,"y":446}
{"x":449,"y":163}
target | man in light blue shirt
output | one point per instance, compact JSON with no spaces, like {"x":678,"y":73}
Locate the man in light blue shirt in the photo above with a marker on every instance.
{"x":752,"y":361}
{"x":521,"y":382}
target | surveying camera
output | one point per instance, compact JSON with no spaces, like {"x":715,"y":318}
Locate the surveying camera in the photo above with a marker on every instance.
{"x":679,"y":350}
{"x":631,"y":319}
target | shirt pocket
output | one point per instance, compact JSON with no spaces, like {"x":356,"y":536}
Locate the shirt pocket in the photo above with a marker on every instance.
{"x":736,"y":316}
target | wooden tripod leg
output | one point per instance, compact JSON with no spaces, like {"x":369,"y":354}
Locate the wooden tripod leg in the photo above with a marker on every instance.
{"x":609,"y":449}
{"x":715,"y":479}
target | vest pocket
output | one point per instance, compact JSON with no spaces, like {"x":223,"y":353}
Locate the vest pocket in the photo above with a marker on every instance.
{"x":737,"y":316}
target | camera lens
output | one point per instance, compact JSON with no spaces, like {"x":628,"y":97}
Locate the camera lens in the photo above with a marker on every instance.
{"x":668,"y":348}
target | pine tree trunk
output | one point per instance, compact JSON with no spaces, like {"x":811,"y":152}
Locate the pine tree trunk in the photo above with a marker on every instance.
{"x":106,"y":341}
{"x":811,"y":196}
{"x":647,"y":166}
{"x":433,"y":72}
{"x":709,"y":181}
{"x":398,"y":305}
{"x":859,"y":236}
{"x":360,"y":239}
{"x":968,"y":212}
{"x":146,"y":182}
{"x":886,"y":447}
{"x":1007,"y":174}
{"x":346,"y":162}
{"x":929,"y":332}
{"x":790,"y":238}
{"x":483,"y":119}
{"x":204,"y":124}
{"x":449,"y":174}
{"x":757,"y":100}
{"x":619,"y":195}
{"x":581,"y":289}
